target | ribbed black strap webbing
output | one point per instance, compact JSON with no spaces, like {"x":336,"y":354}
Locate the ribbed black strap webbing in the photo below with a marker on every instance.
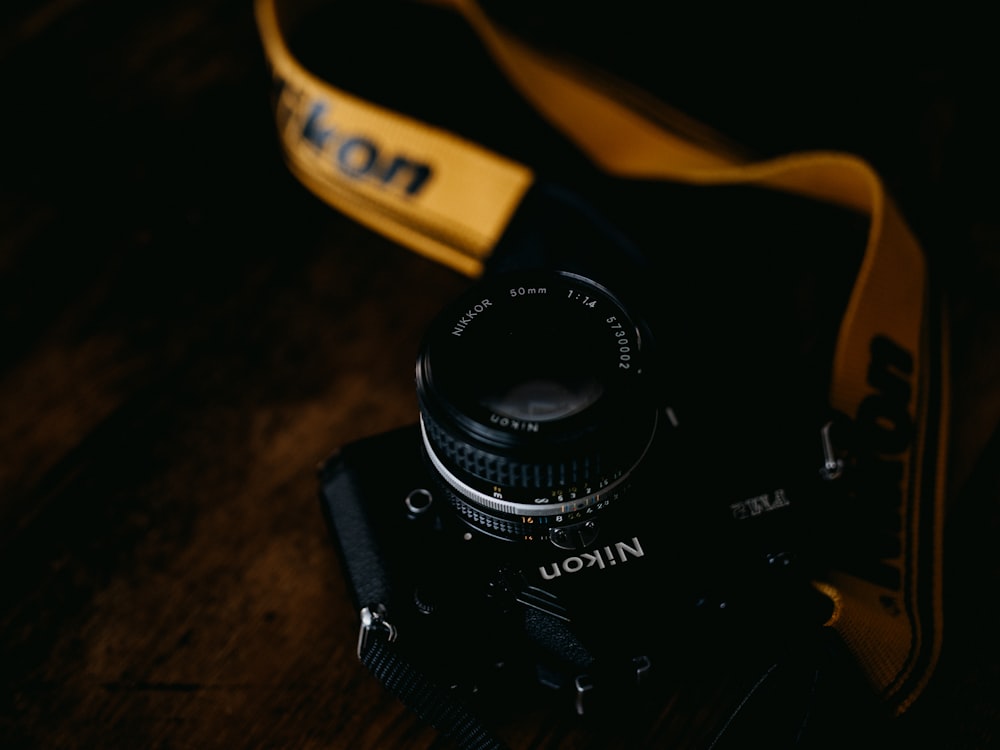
{"x":438,"y":706}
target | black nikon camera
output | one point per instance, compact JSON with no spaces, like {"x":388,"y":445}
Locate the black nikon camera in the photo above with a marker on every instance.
{"x":581,"y":506}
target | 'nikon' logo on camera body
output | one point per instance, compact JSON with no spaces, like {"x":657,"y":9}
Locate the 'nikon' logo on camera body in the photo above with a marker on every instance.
{"x":601,"y":558}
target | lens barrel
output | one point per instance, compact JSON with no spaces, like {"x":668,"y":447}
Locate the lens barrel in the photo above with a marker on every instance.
{"x":535,"y":404}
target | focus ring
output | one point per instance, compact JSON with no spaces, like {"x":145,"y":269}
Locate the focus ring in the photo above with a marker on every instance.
{"x":510,"y":473}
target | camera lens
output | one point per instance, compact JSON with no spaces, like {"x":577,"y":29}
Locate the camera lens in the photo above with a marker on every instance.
{"x":535,"y":404}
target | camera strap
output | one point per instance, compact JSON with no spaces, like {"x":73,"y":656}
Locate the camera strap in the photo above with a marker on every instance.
{"x":433,"y":703}
{"x":440,"y":191}
{"x":363,"y":562}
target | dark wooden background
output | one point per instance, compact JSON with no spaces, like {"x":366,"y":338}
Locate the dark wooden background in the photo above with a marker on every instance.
{"x":186,"y":333}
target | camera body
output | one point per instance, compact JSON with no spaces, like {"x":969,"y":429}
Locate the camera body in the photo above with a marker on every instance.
{"x":568,"y":514}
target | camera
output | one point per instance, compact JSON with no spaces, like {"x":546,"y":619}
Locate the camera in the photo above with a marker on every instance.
{"x":576,"y":509}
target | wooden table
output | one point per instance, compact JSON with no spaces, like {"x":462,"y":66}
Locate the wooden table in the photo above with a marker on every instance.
{"x":187,"y":332}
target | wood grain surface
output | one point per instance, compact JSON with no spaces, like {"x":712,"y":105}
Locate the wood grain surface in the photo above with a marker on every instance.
{"x":187,"y":333}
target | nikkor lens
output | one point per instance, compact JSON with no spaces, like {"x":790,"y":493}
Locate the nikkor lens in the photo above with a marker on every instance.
{"x":535,"y":404}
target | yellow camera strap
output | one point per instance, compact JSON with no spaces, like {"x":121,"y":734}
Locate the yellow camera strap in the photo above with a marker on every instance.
{"x":442,"y":195}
